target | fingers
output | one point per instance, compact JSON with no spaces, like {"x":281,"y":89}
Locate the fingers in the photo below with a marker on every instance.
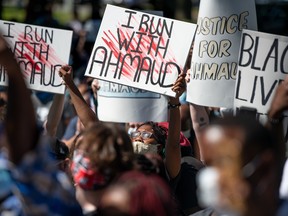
{"x":95,"y":85}
{"x":180,"y":84}
{"x":187,"y":77}
{"x":65,"y":72}
{"x":65,"y":69}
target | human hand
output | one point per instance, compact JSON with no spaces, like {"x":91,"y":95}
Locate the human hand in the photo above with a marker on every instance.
{"x":279,"y":101}
{"x":65,"y":73}
{"x":179,"y":86}
{"x":95,"y":86}
{"x":188,"y":75}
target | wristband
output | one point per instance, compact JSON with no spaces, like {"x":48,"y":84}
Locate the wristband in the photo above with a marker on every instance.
{"x":172,"y":106}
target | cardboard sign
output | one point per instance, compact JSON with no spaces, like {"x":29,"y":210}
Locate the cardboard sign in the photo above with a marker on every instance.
{"x":120,"y":103}
{"x":216,"y":48}
{"x":140,"y":50}
{"x":40,"y":52}
{"x":263,"y":64}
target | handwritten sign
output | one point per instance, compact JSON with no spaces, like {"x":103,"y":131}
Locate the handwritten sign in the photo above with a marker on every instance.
{"x":140,"y":50}
{"x":40,"y":52}
{"x":263,"y":64}
{"x":216,"y":48}
{"x":120,"y":103}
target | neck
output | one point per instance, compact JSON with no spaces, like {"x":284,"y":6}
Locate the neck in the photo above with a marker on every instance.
{"x":89,"y":200}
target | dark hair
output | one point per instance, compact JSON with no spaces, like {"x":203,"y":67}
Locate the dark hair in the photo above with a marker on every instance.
{"x":108,"y":147}
{"x":59,"y":150}
{"x":148,"y":195}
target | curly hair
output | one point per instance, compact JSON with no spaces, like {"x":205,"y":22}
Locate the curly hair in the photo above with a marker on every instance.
{"x":108,"y":147}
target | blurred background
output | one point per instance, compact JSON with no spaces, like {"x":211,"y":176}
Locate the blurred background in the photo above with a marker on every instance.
{"x":84,"y":18}
{"x":272,"y":14}
{"x":64,"y":10}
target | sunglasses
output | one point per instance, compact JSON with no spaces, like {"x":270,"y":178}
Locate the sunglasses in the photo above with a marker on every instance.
{"x":143,"y":134}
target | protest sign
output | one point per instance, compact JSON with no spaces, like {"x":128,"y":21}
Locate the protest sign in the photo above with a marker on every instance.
{"x":263,"y":64}
{"x":216,"y":48}
{"x":140,"y":50}
{"x":40,"y":52}
{"x":120,"y":103}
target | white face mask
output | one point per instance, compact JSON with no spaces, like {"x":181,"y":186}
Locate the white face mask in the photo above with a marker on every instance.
{"x":142,"y":148}
{"x":209,"y":193}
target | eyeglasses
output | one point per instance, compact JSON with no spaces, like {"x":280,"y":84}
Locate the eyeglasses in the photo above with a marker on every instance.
{"x":144,"y":134}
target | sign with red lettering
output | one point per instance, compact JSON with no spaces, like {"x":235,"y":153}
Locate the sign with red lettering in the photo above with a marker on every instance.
{"x":140,"y":50}
{"x":263,"y":64}
{"x":216,"y":48}
{"x":40,"y":52}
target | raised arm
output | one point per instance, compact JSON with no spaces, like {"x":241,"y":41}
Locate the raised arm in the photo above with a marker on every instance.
{"x":54,"y":115}
{"x":20,"y":123}
{"x":84,"y":112}
{"x":200,"y":120}
{"x":275,"y":116}
{"x":172,"y":148}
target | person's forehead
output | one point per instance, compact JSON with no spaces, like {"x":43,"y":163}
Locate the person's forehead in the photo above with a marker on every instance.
{"x":145,"y":128}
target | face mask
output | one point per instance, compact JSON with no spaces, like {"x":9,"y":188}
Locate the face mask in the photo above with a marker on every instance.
{"x":142,"y":148}
{"x":84,"y":176}
{"x":209,"y":193}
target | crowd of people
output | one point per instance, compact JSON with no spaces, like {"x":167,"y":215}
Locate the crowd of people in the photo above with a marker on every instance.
{"x":199,"y":162}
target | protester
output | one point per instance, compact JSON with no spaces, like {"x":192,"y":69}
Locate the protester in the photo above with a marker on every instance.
{"x":155,"y":138}
{"x":245,"y":162}
{"x":135,"y":193}
{"x":157,"y":142}
{"x":34,"y":180}
{"x":100,"y":154}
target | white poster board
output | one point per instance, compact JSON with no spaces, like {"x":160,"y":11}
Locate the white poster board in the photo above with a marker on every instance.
{"x":140,"y":50}
{"x":40,"y":52}
{"x":120,"y":103}
{"x":216,"y":48}
{"x":263,"y":64}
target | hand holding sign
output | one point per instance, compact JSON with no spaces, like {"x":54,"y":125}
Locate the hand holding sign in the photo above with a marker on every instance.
{"x":95,"y":86}
{"x":180,"y":85}
{"x":280,"y":101}
{"x":65,"y":73}
{"x":140,"y":50}
{"x":39,"y":51}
